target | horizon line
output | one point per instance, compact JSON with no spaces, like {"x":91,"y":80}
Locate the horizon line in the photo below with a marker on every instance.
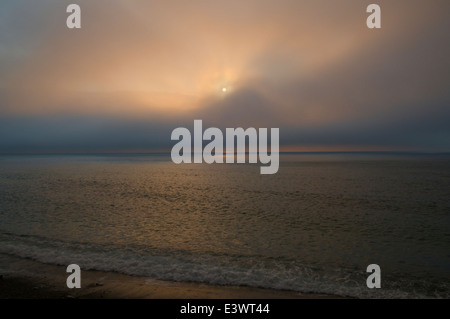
{"x":410,"y":152}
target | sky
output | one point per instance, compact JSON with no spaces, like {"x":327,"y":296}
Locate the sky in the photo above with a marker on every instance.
{"x":138,"y":69}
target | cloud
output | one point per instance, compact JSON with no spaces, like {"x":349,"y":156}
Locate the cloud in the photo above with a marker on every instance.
{"x":138,"y":69}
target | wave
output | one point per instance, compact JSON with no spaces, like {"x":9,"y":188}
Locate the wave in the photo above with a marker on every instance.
{"x":252,"y":271}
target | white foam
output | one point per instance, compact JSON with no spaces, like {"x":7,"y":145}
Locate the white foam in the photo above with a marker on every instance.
{"x":179,"y":266}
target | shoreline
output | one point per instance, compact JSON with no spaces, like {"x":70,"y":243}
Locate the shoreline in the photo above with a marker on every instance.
{"x":28,"y":279}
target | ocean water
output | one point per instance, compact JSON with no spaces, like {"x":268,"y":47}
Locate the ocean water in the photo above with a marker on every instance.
{"x":314,"y":226}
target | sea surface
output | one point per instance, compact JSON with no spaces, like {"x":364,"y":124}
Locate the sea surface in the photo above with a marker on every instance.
{"x":313,"y":227}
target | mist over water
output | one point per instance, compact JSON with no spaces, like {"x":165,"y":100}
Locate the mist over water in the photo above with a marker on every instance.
{"x":313,"y":227}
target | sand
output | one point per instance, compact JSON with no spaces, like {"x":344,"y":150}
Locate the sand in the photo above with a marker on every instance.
{"x":24,"y":278}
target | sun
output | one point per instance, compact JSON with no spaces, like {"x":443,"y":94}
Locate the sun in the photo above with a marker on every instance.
{"x":224,"y":90}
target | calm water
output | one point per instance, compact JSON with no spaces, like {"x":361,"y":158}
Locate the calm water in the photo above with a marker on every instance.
{"x":313,"y":227}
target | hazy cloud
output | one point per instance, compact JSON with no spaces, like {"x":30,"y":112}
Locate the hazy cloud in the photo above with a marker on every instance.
{"x":138,"y":69}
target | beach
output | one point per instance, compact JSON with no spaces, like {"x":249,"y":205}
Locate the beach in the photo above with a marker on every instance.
{"x":178,"y":150}
{"x":36,"y":280}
